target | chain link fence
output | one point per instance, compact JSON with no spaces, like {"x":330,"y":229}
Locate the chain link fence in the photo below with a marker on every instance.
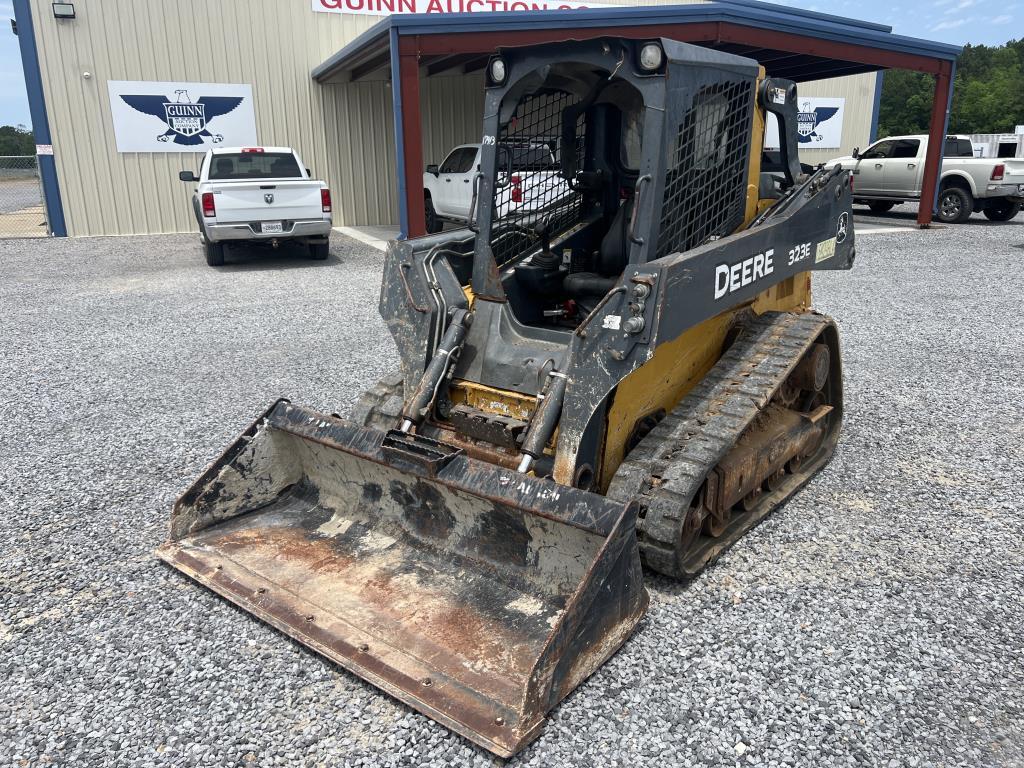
{"x":21,"y":198}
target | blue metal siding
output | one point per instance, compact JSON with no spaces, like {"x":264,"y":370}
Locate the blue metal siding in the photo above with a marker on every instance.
{"x":40,"y":121}
{"x":396,"y":99}
{"x":879,"y":78}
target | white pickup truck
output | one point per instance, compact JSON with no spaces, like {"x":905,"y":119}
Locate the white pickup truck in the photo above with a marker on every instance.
{"x":528,"y":175}
{"x":890,"y":172}
{"x":262,"y":195}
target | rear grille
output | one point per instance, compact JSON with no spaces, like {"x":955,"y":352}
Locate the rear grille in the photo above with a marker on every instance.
{"x":706,"y":182}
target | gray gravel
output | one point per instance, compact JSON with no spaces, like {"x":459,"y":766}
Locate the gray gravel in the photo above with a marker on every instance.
{"x":875,"y":620}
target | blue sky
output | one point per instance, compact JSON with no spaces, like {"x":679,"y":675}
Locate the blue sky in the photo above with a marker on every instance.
{"x":950,"y":21}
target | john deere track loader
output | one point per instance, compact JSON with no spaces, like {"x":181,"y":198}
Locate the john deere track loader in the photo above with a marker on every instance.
{"x":615,"y":364}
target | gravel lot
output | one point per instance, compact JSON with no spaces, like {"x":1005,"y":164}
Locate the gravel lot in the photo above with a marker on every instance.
{"x":875,"y":620}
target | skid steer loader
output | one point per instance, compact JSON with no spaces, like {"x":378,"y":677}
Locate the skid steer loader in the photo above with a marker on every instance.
{"x":615,"y":364}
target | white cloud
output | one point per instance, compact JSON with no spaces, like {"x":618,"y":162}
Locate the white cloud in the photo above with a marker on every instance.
{"x":1001,"y":19}
{"x":961,"y":4}
{"x":951,"y":24}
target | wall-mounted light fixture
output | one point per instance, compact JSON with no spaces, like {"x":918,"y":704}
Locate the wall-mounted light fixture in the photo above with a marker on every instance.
{"x":63,"y":10}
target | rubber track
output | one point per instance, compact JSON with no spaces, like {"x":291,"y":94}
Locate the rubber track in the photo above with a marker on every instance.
{"x":667,"y":468}
{"x":381,"y":405}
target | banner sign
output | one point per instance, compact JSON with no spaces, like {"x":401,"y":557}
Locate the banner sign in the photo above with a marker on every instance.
{"x":445,"y":7}
{"x":819,"y":124}
{"x":180,"y":117}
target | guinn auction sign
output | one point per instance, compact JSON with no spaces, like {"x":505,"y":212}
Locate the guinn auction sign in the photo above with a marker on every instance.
{"x":443,"y":7}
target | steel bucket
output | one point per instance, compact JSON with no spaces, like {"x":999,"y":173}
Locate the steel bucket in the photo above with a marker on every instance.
{"x":474,"y":594}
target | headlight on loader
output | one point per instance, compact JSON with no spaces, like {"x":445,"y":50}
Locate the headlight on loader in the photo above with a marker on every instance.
{"x":651,"y":57}
{"x":497,"y":71}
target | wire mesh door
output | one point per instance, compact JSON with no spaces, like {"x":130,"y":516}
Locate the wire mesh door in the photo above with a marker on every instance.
{"x":706,"y":180}
{"x":21,"y":197}
{"x":531,"y":191}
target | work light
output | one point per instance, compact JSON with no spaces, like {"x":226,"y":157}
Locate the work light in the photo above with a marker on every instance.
{"x":498,"y":71}
{"x":650,"y":57}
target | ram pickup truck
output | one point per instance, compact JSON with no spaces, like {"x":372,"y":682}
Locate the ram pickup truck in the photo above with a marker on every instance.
{"x":890,"y":172}
{"x":529,"y":178}
{"x":259,"y":195}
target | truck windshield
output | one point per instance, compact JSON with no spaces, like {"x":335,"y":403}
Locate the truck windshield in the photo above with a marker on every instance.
{"x":254,"y":165}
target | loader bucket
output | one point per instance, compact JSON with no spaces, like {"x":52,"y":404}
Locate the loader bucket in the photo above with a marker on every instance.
{"x":477,"y":595}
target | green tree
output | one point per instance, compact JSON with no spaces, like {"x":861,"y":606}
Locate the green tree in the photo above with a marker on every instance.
{"x":16,"y":140}
{"x":906,"y":104}
{"x":988,"y":94}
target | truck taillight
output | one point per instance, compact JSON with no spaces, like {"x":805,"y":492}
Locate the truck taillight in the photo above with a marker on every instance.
{"x":852,"y":179}
{"x":209,"y":208}
{"x":325,"y":200}
{"x":251,"y":150}
{"x":998,"y":172}
{"x":517,"y":189}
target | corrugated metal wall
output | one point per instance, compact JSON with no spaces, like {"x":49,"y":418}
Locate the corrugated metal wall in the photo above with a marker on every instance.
{"x":360,"y":168}
{"x":271,"y":44}
{"x":453,"y":109}
{"x":360,"y":139}
{"x":345,"y":132}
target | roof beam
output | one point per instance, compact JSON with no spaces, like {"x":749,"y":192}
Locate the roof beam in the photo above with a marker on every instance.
{"x":819,"y":70}
{"x":445,"y":63}
{"x":378,"y":62}
{"x":477,"y":64}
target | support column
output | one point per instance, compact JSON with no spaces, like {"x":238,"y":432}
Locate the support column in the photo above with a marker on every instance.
{"x":409,"y":137}
{"x":40,"y":120}
{"x":936,"y":143}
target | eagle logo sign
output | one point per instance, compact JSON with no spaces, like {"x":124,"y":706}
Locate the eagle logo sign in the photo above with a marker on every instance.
{"x":809,"y":119}
{"x":186,"y":120}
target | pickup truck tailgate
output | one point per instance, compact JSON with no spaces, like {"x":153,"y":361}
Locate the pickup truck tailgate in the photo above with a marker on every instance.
{"x":1013,"y":173}
{"x":239,"y":201}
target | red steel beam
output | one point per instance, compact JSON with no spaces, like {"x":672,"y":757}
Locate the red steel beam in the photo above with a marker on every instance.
{"x":704,"y":32}
{"x":488,"y":42}
{"x":936,"y":140}
{"x":827,"y":49}
{"x":412,"y":133}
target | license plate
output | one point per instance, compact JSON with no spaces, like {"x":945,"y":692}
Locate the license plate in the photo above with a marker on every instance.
{"x":273,"y":227}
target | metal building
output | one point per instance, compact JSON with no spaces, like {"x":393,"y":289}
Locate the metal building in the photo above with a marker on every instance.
{"x":321,"y":82}
{"x":999,"y":144}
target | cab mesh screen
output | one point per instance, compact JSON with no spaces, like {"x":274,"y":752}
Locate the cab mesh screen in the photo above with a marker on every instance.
{"x":706,"y":180}
{"x":532,"y":189}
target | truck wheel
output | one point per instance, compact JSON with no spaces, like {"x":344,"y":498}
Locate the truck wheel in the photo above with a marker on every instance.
{"x":214,"y":254}
{"x":955,"y":205}
{"x":432,"y":222}
{"x":1003,"y":210}
{"x":319,"y":251}
{"x":880,"y":206}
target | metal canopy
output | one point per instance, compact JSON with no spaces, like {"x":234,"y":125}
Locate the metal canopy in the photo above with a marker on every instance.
{"x":762,"y":31}
{"x":790,"y":43}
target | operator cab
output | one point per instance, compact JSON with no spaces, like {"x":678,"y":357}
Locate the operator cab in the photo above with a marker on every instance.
{"x":561,"y":216}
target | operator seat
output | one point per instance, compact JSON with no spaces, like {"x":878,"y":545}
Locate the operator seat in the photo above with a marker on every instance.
{"x":609,"y":260}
